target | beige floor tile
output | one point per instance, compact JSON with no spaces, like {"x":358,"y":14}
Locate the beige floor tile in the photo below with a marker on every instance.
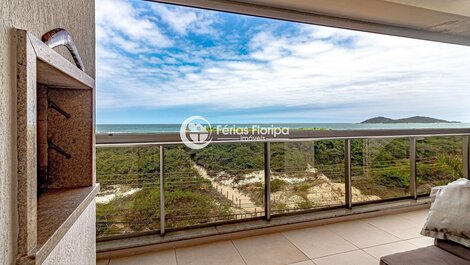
{"x":318,"y":242}
{"x":102,"y":262}
{"x":391,"y":248}
{"x":214,"y":253}
{"x":396,"y":225}
{"x":357,"y":257}
{"x":422,"y":242}
{"x":362,"y":234}
{"x":307,"y":262}
{"x":406,"y":233}
{"x":152,"y":258}
{"x":268,"y":249}
{"x":419,"y":217}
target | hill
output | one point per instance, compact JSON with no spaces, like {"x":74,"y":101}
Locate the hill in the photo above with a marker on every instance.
{"x":414,"y":119}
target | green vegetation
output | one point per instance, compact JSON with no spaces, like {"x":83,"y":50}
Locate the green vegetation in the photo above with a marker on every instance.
{"x":186,"y":193}
{"x":236,"y":159}
{"x":439,"y":161}
{"x":300,"y":170}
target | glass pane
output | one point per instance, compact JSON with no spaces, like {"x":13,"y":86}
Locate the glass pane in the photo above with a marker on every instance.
{"x":380,"y":169}
{"x":221,"y":182}
{"x":438,"y":162}
{"x":129,"y":197}
{"x":306,"y":175}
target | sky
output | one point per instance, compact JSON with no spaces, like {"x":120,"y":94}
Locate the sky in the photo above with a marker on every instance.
{"x":159,"y":64}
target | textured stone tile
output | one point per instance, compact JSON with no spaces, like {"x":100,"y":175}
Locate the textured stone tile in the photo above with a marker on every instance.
{"x":397,"y":226}
{"x":362,"y":234}
{"x":215,"y":253}
{"x":270,"y":249}
{"x":419,"y":217}
{"x":357,"y":257}
{"x":421,"y":242}
{"x":318,"y":242}
{"x":152,"y":258}
{"x":66,"y":133}
{"x":307,"y":262}
{"x":391,"y":248}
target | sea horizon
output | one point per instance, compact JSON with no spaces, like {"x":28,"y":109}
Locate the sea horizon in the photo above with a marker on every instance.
{"x":174,"y":127}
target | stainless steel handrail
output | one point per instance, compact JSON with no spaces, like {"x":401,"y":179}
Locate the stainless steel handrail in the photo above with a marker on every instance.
{"x":132,"y":139}
{"x":161,"y":140}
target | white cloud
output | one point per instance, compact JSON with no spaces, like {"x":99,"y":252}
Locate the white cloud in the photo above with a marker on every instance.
{"x":183,"y":20}
{"x":317,"y":72}
{"x":119,"y":23}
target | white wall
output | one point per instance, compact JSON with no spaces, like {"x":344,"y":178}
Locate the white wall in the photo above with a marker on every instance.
{"x":78,"y":246}
{"x":37,"y":16}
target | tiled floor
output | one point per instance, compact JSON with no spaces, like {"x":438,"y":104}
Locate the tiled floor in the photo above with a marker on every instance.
{"x":359,"y":242}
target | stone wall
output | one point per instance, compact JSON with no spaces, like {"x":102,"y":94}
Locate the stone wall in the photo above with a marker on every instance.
{"x":84,"y":232}
{"x":38,"y":17}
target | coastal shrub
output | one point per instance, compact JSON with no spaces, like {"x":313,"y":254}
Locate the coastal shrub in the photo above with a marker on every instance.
{"x":303,"y":187}
{"x":392,"y":177}
{"x":234,"y":159}
{"x":306,"y":204}
{"x":190,"y":208}
{"x":329,"y":152}
{"x":113,"y":163}
{"x":277,"y":185}
{"x":191,"y":200}
{"x":291,"y":158}
{"x":451,"y":165}
{"x":147,"y":203}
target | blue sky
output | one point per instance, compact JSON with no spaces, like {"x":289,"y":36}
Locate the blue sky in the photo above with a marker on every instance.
{"x":160,"y":63}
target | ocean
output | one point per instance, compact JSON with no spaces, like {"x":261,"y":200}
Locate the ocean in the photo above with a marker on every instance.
{"x":174,"y":128}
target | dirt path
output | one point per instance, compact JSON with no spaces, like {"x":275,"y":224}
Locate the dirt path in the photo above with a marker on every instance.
{"x":116,"y":192}
{"x":323,"y":194}
{"x":241,"y":202}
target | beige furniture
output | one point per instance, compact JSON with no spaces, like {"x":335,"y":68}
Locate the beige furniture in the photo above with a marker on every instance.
{"x":447,"y":222}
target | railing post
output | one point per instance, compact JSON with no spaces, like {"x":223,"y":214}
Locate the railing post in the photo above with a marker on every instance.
{"x":465,"y":157}
{"x":313,"y":154}
{"x":162,"y":191}
{"x":347,"y":173}
{"x":413,"y":182}
{"x":267,"y":181}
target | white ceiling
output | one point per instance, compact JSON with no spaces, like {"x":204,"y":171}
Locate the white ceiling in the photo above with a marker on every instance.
{"x":440,"y":20}
{"x":451,"y":16}
{"x":457,"y":7}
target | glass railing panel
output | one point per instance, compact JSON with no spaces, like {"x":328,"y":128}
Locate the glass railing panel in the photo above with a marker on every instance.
{"x":380,"y":169}
{"x":128,"y":201}
{"x":225,"y":181}
{"x":438,"y":161}
{"x":306,"y":175}
{"x":221,"y":182}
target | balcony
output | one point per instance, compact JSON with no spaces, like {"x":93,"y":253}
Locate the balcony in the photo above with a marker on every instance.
{"x":361,"y":241}
{"x":327,"y":197}
{"x":157,"y":194}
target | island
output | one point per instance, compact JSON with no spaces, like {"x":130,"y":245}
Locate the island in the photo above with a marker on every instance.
{"x":414,"y":119}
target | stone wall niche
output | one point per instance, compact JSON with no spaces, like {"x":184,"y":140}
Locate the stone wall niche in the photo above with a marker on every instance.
{"x":55,"y":143}
{"x":68,"y":133}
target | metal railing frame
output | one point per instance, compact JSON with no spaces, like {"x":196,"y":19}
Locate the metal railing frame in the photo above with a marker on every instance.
{"x":348,"y":174}
{"x":347,"y":162}
{"x":413,"y":181}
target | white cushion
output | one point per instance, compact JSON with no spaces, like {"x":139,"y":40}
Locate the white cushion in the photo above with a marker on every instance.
{"x":449,"y":216}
